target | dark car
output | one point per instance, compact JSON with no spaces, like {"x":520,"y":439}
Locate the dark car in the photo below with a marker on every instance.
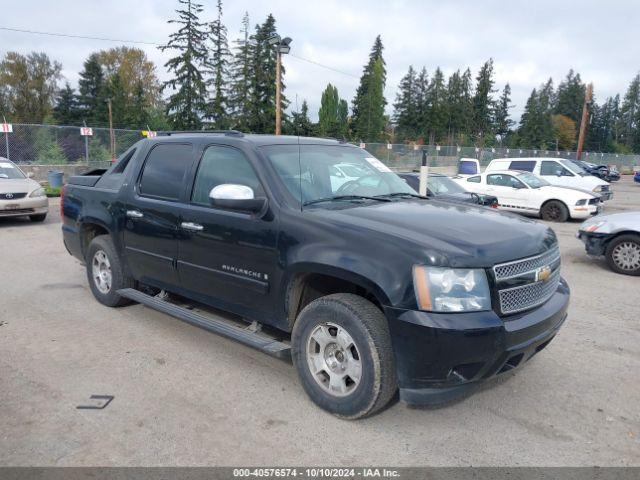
{"x":601,"y":171}
{"x":443,"y":188}
{"x":366,"y":285}
{"x":636,"y":177}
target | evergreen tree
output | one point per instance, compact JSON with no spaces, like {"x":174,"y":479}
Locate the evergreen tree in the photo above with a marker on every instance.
{"x":92,"y":98}
{"x":300,"y":123}
{"x":501,"y":121}
{"x":240,"y":82}
{"x":115,"y":93}
{"x":436,"y":118}
{"x":187,"y":103}
{"x":483,"y":102}
{"x":262,"y":88}
{"x":218,"y":107}
{"x":570,"y":97}
{"x":421,"y":89}
{"x":405,"y":108}
{"x":333,"y":114}
{"x":66,"y":111}
{"x":629,"y":123}
{"x":368,"y":117}
{"x":138,"y":113}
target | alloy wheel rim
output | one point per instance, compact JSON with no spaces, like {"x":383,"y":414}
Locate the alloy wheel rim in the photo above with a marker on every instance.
{"x":334,"y":359}
{"x":626,"y":256}
{"x":101,"y":272}
{"x":553,"y":212}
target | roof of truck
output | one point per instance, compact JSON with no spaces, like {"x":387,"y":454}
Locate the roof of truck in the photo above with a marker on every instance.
{"x":255,"y":139}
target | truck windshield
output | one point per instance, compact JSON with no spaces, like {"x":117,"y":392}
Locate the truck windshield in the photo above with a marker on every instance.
{"x":574,"y":167}
{"x":440,"y":185}
{"x":325,"y":172}
{"x":9,"y":171}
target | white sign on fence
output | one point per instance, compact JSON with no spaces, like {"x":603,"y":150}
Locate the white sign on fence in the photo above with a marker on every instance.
{"x":362,"y":145}
{"x":6,"y":128}
{"x":86,"y":131}
{"x":389,"y":146}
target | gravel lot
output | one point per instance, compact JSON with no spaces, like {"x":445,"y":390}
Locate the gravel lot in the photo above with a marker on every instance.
{"x":187,"y":397}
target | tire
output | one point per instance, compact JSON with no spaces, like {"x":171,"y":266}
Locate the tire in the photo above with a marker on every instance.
{"x":554,"y":211}
{"x":623,"y":254}
{"x":367,"y":331}
{"x":38,"y":218}
{"x":102,"y":259}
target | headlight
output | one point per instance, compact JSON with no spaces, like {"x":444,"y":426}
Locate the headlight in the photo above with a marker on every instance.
{"x":451,"y":289}
{"x":581,"y":202}
{"x":38,"y":192}
{"x":593,"y":227}
{"x":598,"y":188}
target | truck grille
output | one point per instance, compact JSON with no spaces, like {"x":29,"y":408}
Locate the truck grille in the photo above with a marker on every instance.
{"x":530,"y":291}
{"x":605,"y":188}
{"x":12,"y":196}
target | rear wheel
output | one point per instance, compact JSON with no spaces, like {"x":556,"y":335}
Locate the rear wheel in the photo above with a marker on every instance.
{"x":623,"y":254}
{"x":554,"y":211}
{"x":38,"y":218}
{"x":105,"y":272}
{"x":342,"y":351}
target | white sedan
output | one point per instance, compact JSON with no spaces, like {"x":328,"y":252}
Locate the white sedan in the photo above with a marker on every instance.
{"x":526,"y":193}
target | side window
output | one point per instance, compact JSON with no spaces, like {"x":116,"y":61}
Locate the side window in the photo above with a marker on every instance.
{"x":498,"y":180}
{"x":164,"y":171}
{"x":525,"y":165}
{"x":515,"y":183}
{"x":221,"y":165}
{"x":475,"y":179}
{"x":550,"y":167}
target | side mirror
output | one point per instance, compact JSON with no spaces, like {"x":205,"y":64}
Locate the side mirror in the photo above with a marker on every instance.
{"x":29,"y":174}
{"x":558,"y":173}
{"x":236,"y":197}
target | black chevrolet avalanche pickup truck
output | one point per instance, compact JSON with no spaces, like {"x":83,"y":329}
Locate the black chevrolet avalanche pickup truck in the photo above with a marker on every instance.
{"x":367,"y":286}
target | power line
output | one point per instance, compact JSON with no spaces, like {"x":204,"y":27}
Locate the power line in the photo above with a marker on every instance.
{"x":68,"y":35}
{"x":103,"y":39}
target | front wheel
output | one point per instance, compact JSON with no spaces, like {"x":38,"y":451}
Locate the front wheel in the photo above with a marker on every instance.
{"x":623,"y":254}
{"x":105,"y":273}
{"x":342,"y":351}
{"x":554,"y":211}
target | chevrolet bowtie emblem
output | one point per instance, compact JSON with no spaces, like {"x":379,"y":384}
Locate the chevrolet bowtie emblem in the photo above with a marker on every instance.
{"x":543,"y":274}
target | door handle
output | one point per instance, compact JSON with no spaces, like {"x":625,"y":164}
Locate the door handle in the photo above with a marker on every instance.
{"x":134,"y":214}
{"x":194,"y":227}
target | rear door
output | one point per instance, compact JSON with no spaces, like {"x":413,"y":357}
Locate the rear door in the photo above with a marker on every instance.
{"x":153,"y":214}
{"x":227,"y":258}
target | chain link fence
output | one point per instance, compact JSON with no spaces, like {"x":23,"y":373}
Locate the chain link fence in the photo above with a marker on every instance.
{"x":31,"y":144}
{"x":403,"y":157}
{"x":61,"y":145}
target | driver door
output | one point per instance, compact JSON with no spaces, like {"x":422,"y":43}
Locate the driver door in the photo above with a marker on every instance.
{"x":511,"y":192}
{"x":227,"y":258}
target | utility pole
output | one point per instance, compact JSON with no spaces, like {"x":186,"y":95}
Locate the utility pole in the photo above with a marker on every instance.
{"x":6,"y":138}
{"x":585,"y":119}
{"x":112,"y":138}
{"x":278,"y":94}
{"x":282,"y":45}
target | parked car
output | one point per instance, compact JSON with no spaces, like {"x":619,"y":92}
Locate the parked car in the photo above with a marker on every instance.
{"x":369,"y":287}
{"x":443,"y":188}
{"x":601,"y":171}
{"x":636,"y":177}
{"x":617,"y":237}
{"x":468,"y":167}
{"x":562,"y":173}
{"x":528,"y":194}
{"x":20,"y":196}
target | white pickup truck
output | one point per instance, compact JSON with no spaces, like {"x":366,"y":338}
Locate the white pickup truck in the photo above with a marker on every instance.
{"x":528,"y":194}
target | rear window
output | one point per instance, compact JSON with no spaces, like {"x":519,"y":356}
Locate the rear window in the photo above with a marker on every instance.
{"x":467,"y":168}
{"x":165,"y":170}
{"x":524,"y":165}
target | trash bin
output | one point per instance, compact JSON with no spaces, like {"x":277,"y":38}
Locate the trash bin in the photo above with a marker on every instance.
{"x":55,"y":178}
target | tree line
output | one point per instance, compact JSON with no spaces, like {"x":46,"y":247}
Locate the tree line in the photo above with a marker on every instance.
{"x":217,"y":86}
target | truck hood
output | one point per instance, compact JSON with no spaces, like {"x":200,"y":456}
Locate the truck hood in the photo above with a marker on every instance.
{"x":17,"y":185}
{"x":447,"y":234}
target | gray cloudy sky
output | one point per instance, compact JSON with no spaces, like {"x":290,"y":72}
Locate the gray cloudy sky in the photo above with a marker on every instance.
{"x":528,"y":40}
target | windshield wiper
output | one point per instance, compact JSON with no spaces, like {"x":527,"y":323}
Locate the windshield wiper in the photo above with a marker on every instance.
{"x":344,"y":197}
{"x":401,"y":194}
